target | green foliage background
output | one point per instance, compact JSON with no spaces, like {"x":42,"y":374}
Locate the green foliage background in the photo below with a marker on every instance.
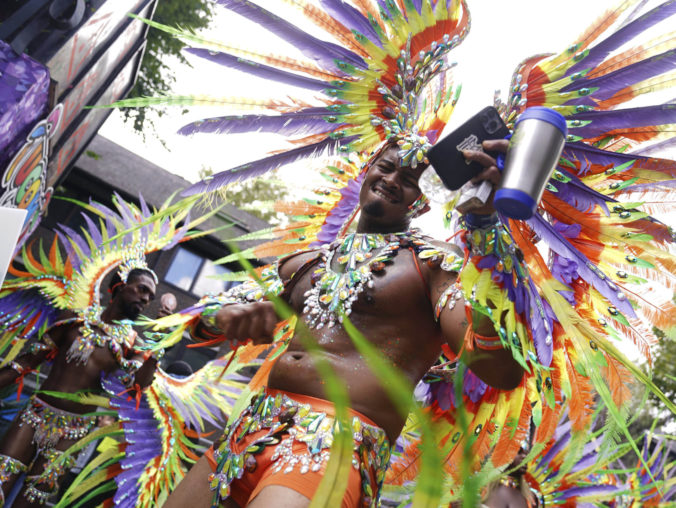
{"x":155,"y":76}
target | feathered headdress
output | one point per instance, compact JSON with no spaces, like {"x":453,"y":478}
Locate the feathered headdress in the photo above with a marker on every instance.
{"x":380,"y":74}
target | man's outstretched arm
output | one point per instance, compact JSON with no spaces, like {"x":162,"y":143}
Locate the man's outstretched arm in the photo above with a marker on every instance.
{"x":239,"y":321}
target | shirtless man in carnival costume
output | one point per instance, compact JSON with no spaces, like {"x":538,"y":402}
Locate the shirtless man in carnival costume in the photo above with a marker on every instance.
{"x":499,"y":304}
{"x":397,"y":314}
{"x":81,"y":352}
{"x":57,"y":300}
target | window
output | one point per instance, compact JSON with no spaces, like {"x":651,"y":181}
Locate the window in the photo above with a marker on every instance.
{"x":184,"y":268}
{"x":195,"y":274}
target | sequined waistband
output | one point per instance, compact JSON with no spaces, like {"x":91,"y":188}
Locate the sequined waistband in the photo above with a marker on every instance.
{"x":52,"y":424}
{"x":318,"y":405}
{"x":287,"y":418}
{"x":309,"y":413}
{"x":38,"y":402}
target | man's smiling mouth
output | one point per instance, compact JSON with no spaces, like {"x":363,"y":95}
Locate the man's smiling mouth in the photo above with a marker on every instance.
{"x":385,"y":194}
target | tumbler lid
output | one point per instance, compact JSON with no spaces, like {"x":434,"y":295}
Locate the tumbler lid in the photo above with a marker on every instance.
{"x":514,"y":203}
{"x":546,"y":115}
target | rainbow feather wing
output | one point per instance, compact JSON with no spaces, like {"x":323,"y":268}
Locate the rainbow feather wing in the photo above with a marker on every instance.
{"x":179,"y":404}
{"x":157,"y":434}
{"x":607,"y":255}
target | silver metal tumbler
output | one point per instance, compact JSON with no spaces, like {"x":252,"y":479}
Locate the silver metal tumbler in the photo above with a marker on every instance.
{"x":533,"y":152}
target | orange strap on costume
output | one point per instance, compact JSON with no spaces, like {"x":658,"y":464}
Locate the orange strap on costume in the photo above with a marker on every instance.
{"x":473,"y":339}
{"x":23,"y":371}
{"x":138,"y":393}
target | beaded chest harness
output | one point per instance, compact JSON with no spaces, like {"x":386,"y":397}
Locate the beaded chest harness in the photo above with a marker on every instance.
{"x":347,"y":266}
{"x":96,"y":333}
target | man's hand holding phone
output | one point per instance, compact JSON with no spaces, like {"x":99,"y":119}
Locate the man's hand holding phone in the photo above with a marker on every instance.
{"x":491,"y":173}
{"x":468,"y":155}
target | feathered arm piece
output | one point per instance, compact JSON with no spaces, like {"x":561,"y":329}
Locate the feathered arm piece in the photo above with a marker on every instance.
{"x":158,"y":434}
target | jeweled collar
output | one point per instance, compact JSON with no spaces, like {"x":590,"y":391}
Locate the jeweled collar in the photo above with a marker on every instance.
{"x":96,"y":332}
{"x":345,"y":271}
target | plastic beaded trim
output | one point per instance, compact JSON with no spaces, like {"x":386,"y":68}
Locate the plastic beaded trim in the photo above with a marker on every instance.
{"x":9,"y":466}
{"x":289,"y":421}
{"x":52,"y":424}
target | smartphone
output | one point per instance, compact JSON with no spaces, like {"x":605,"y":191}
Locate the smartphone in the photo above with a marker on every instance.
{"x":446,"y":156}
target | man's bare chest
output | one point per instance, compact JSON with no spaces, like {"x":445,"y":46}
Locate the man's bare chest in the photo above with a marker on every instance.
{"x":393,"y":287}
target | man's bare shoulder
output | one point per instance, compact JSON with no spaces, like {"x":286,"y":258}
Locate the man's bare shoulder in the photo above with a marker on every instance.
{"x":443,"y":260}
{"x":289,"y":265}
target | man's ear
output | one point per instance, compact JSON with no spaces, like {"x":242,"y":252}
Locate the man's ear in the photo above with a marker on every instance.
{"x":112,"y":290}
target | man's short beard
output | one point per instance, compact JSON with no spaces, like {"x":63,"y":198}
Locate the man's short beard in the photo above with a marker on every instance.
{"x":374,"y":209}
{"x":130,"y":311}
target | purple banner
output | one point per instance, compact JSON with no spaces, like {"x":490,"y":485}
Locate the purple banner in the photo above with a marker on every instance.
{"x":24,"y":92}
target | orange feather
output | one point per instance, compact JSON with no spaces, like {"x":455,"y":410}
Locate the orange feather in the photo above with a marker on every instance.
{"x":580,"y":405}
{"x":618,"y":379}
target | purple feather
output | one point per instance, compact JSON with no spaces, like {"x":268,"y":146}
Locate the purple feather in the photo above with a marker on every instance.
{"x":588,"y":271}
{"x":143,"y":440}
{"x":589,"y":490}
{"x":107,"y":212}
{"x":262,"y":166}
{"x":561,"y":442}
{"x":179,"y":235}
{"x":260,"y":70}
{"x":304,"y":122}
{"x":324,"y":53}
{"x":601,"y":50}
{"x":589,"y":455}
{"x":579,"y":196}
{"x":582,"y":152}
{"x":351,"y":18}
{"x":164,"y":228}
{"x":144,"y":207}
{"x":541,"y":326}
{"x":473,"y":387}
{"x":70,"y":251}
{"x":93,"y":230}
{"x":340,"y":213}
{"x":77,"y":239}
{"x":606,"y":121}
{"x":612,"y":82}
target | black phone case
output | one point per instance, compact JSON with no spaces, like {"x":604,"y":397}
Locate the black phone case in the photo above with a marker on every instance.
{"x":446,"y":156}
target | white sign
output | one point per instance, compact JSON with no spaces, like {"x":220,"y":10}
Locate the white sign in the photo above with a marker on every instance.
{"x":11,"y":222}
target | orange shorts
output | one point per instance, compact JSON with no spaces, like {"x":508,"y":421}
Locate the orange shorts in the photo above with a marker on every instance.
{"x":284,"y":439}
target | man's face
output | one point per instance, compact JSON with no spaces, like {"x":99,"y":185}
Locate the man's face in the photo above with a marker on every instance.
{"x":135,"y":295}
{"x":389,"y":189}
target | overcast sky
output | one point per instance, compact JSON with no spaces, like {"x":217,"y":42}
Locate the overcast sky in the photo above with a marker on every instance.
{"x":502,"y":34}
